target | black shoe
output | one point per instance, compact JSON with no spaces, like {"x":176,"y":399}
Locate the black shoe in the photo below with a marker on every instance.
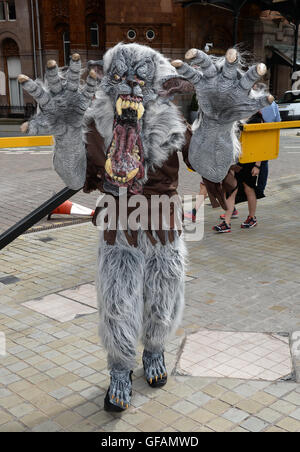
{"x":222,"y":228}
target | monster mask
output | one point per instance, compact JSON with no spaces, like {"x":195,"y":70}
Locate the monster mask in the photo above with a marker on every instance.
{"x":131,"y":82}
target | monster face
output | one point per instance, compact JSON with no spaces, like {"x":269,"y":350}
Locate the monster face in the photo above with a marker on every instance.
{"x":128,"y":81}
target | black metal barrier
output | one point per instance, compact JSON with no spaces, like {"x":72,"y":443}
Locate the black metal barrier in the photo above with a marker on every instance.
{"x":34,"y":217}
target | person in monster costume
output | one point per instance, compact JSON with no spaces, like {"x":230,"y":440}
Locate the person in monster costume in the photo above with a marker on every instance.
{"x":123,"y":134}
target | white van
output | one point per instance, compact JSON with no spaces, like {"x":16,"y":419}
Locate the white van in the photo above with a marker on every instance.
{"x":289,"y":106}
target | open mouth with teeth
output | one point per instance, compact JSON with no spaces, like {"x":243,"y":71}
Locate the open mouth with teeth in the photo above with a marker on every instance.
{"x":135,"y":104}
{"x":125,"y":158}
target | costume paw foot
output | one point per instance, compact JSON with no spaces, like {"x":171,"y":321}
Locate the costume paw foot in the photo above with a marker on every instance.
{"x":118,"y":396}
{"x":155,"y":369}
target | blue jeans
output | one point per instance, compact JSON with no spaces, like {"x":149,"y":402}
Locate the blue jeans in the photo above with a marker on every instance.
{"x":263,"y":176}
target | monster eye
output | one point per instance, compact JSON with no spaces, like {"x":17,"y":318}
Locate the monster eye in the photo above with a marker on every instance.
{"x":141,"y":83}
{"x":117,"y":77}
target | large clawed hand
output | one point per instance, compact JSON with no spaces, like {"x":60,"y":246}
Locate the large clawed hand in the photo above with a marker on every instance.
{"x":223,"y":92}
{"x":63,"y":101}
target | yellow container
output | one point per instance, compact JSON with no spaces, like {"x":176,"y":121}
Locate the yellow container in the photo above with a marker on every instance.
{"x":26,"y":142}
{"x":261,"y":141}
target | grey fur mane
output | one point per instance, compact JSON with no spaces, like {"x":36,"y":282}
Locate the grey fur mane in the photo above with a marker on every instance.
{"x":162,"y":127}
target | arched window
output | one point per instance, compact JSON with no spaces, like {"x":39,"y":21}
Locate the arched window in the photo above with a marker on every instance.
{"x":2,"y":11}
{"x":8,"y":10}
{"x":94,"y":34}
{"x":15,"y":89}
{"x":13,"y":69}
{"x":11,"y":7}
{"x":67,"y":47}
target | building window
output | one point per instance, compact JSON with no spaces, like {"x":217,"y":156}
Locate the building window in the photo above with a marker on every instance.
{"x":67,"y":47}
{"x":8,"y":10}
{"x":15,"y":89}
{"x":2,"y":11}
{"x":131,"y":34}
{"x":94,"y":30}
{"x":11,"y":9}
{"x":150,"y":35}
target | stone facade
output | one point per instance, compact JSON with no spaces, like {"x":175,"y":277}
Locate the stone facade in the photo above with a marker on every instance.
{"x":92,"y":26}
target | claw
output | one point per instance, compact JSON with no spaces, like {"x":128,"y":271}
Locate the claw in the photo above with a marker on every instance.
{"x":75,"y":57}
{"x":151,"y":381}
{"x":122,"y":404}
{"x":231,"y":55}
{"x":161,"y":376}
{"x":93,"y":74}
{"x":192,"y":53}
{"x":51,"y":64}
{"x":117,"y":400}
{"x":177,"y":63}
{"x":127,"y":406}
{"x":156,"y":377}
{"x":112,"y":397}
{"x":23,"y":78}
{"x":261,"y":69}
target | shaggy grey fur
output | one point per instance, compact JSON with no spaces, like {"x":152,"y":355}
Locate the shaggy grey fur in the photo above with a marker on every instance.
{"x":223,"y":93}
{"x":140,"y":290}
{"x":152,"y":287}
{"x":163,"y":130}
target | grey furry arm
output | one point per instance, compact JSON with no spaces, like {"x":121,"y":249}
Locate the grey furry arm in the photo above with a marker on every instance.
{"x":62,"y":105}
{"x":225,"y":95}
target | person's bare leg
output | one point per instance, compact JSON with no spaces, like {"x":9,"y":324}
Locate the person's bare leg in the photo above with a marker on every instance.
{"x":201,"y":197}
{"x":230,"y":203}
{"x":252,"y":201}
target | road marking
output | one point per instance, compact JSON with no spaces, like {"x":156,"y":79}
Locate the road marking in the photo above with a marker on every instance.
{"x":13,"y":152}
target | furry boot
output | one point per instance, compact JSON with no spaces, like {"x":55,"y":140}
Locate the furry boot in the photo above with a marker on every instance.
{"x":118,"y":396}
{"x":155,"y":369}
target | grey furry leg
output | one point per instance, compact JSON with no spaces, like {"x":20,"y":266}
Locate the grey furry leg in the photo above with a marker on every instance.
{"x":118,"y":396}
{"x":163,"y":292}
{"x":120,"y":297}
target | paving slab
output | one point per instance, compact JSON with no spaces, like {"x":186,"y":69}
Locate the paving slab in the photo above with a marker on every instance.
{"x":245,"y":283}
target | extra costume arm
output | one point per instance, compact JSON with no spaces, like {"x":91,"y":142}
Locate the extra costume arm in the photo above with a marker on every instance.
{"x":224,"y":95}
{"x":62,"y":104}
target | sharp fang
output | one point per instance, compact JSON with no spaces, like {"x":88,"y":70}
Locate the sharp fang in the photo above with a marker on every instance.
{"x":132,"y":174}
{"x":108,"y":167}
{"x":124,"y":104}
{"x":124,"y":180}
{"x":140,"y":111}
{"x":132,"y":105}
{"x":127,"y":104}
{"x":119,"y":106}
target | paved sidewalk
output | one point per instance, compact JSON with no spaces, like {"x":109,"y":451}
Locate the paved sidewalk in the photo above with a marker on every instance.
{"x":54,"y":375}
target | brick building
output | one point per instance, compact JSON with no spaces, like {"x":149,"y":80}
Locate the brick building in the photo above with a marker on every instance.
{"x":16,"y":50}
{"x":33,"y":31}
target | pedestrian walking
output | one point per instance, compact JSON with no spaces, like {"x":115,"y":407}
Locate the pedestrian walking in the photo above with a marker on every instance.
{"x":269,"y":114}
{"x":246,"y":175}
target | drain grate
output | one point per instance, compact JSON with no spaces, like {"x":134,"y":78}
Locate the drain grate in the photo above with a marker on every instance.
{"x":46,"y":239}
{"x":9,"y":280}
